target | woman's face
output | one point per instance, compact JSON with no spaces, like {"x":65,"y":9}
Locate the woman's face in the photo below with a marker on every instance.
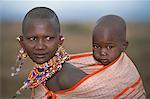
{"x":40,"y":42}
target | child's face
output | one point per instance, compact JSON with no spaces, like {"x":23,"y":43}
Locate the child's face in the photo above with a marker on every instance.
{"x":106,"y":45}
{"x":40,"y":42}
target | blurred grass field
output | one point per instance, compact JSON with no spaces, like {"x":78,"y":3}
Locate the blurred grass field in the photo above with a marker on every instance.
{"x":77,"y":39}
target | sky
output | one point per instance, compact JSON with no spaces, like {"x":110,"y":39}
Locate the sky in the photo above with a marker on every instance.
{"x":78,"y":10}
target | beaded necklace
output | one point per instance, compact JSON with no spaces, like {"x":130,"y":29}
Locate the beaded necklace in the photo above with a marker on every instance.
{"x":41,"y":73}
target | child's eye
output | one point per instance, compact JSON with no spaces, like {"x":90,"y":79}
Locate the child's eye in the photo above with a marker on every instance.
{"x":110,"y":47}
{"x":96,"y":46}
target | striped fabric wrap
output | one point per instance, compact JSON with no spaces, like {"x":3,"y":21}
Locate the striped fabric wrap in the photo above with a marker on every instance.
{"x":118,"y":80}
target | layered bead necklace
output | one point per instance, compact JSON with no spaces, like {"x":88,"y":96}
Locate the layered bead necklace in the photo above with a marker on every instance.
{"x":41,"y":73}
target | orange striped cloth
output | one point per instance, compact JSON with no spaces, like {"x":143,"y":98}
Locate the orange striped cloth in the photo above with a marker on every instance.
{"x":118,"y":80}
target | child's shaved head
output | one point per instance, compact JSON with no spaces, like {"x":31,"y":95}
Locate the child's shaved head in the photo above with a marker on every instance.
{"x":115,"y":22}
{"x":41,"y":13}
{"x":109,"y":38}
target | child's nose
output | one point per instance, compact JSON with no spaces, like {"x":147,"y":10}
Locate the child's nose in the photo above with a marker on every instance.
{"x":103,"y":52}
{"x":40,"y":45}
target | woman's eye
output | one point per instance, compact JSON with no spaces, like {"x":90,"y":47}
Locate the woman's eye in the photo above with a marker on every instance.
{"x":49,"y":38}
{"x":109,"y":47}
{"x":32,"y":38}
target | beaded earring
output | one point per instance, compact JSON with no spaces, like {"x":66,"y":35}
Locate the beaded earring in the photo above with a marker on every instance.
{"x":19,"y":61}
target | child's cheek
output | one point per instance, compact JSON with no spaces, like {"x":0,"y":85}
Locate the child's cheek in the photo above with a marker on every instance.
{"x":96,"y":54}
{"x":114,"y":55}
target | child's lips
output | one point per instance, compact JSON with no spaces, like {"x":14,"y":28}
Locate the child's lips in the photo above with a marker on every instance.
{"x":104,"y":60}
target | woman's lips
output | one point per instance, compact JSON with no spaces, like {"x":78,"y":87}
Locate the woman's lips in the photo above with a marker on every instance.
{"x":40,"y":55}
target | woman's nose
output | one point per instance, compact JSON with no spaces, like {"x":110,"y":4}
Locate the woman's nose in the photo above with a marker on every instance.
{"x":40,"y":45}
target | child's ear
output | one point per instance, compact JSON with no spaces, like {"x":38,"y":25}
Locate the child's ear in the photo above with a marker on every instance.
{"x":61,"y":40}
{"x":125,"y":45}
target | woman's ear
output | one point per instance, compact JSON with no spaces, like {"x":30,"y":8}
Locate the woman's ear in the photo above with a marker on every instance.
{"x":61,"y":40}
{"x":20,"y":40}
{"x":125,"y":45}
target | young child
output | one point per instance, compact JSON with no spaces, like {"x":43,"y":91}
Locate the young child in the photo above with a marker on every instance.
{"x":42,"y":42}
{"x":121,"y":78}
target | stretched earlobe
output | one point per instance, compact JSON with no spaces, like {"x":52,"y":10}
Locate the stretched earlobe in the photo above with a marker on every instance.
{"x":61,"y":40}
{"x":20,"y":40}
